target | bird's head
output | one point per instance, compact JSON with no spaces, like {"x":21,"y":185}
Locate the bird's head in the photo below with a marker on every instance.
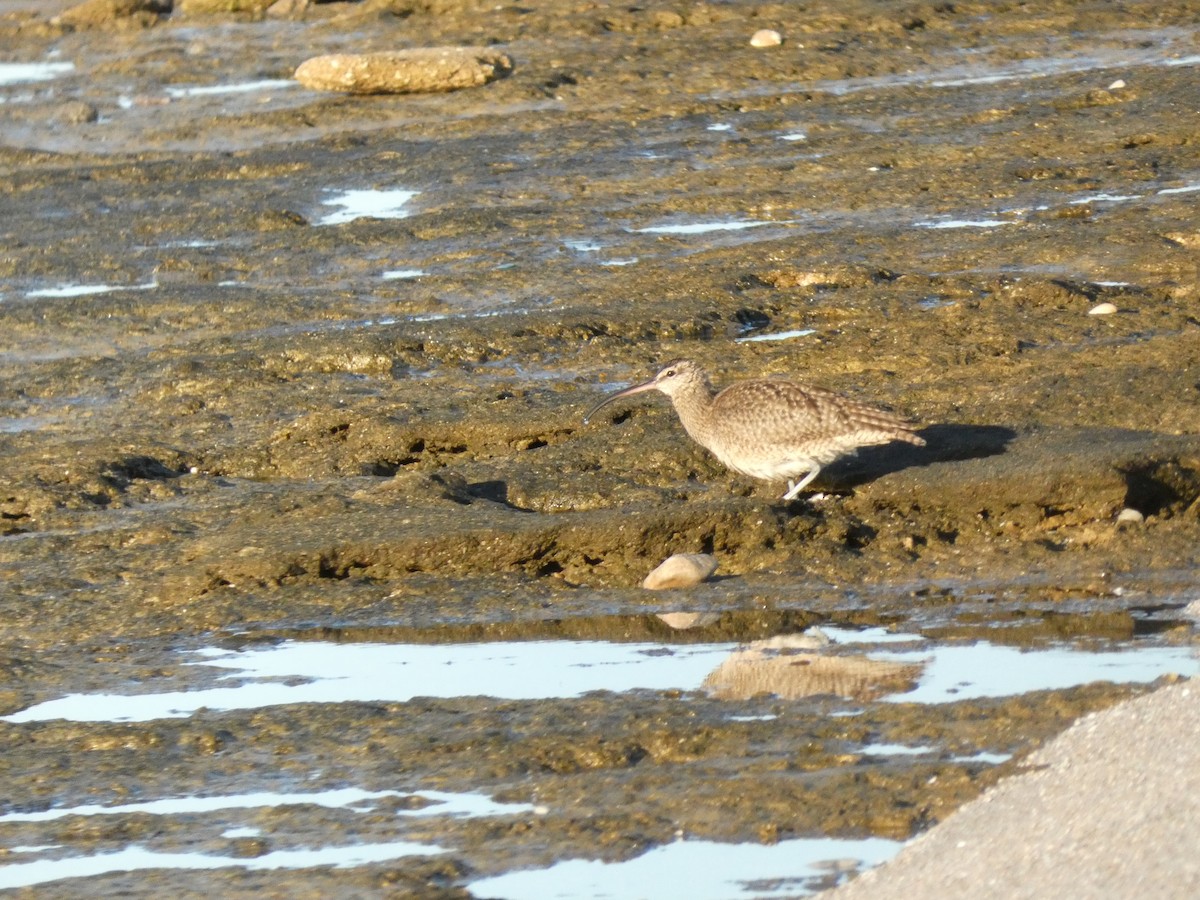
{"x":674,"y":378}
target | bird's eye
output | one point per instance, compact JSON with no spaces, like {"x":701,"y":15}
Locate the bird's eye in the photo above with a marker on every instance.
{"x":670,"y":373}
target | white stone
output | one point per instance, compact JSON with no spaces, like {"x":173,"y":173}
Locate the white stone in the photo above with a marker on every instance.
{"x":1130,"y":516}
{"x":766,"y":37}
{"x":681,"y":570}
{"x":1102,"y":309}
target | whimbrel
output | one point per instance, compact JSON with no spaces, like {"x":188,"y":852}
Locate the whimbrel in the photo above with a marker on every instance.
{"x":769,"y":428}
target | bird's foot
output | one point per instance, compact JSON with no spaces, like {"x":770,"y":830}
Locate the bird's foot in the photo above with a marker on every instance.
{"x":795,"y":487}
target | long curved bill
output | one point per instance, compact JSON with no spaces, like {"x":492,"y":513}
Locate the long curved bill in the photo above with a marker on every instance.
{"x":636,"y":389}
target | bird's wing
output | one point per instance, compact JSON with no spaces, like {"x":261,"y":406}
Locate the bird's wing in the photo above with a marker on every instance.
{"x":781,"y":412}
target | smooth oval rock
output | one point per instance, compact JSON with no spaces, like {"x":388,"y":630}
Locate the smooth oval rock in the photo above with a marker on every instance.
{"x":1130,"y":516}
{"x":681,"y":570}
{"x":423,"y":70}
{"x":1103,"y":309}
{"x":766,"y":37}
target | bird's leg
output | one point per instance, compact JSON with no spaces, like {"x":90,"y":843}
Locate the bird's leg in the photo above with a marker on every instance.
{"x":795,"y":488}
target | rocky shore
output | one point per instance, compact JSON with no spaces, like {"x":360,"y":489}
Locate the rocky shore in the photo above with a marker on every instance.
{"x":279,"y":362}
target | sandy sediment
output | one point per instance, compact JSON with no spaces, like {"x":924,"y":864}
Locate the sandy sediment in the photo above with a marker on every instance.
{"x":1107,"y":809}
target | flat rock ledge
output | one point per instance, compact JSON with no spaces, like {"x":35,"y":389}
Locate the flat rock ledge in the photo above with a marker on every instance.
{"x":422,"y":70}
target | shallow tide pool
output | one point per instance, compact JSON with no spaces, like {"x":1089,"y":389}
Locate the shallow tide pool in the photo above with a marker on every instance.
{"x":698,"y":870}
{"x":322,"y":672}
{"x":861,"y":665}
{"x":135,"y":857}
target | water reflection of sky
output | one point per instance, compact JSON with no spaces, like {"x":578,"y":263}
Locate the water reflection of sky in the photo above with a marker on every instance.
{"x":21,"y":73}
{"x":440,"y":803}
{"x":243,"y":87}
{"x":339,"y":673}
{"x":361,"y":203}
{"x":319,"y":672}
{"x":135,"y":857}
{"x":698,"y":870}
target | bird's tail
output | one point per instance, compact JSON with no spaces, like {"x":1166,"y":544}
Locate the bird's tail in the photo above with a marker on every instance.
{"x":897,"y":428}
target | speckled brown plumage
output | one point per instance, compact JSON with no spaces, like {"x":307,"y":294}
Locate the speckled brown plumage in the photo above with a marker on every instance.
{"x":769,"y":428}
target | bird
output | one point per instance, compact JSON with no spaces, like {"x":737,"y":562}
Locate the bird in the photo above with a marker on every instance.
{"x":771,"y":429}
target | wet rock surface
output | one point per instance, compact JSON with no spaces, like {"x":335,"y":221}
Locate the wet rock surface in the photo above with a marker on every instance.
{"x":225,"y":418}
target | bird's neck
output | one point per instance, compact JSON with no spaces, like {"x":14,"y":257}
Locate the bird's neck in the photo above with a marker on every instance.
{"x":693,"y":403}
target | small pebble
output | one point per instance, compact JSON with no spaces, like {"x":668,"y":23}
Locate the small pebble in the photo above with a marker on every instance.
{"x":1117,"y":85}
{"x":1102,"y":309}
{"x":681,"y":570}
{"x":1130,"y":516}
{"x":766,"y":37}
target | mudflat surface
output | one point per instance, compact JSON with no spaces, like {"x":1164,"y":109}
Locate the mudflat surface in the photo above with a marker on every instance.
{"x":232,"y":413}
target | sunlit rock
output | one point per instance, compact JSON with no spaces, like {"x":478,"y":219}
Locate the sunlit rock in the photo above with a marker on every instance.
{"x":423,"y":70}
{"x":766,"y":37}
{"x":681,"y":570}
